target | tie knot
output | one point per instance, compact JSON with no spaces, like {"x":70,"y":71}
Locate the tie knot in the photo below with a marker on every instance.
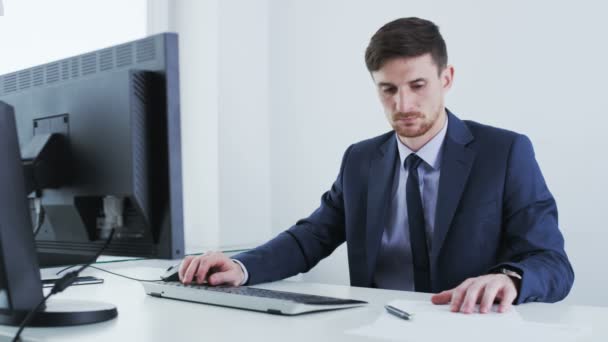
{"x":412,"y":161}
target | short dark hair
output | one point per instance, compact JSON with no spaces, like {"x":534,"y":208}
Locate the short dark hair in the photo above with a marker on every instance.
{"x":406,"y":37}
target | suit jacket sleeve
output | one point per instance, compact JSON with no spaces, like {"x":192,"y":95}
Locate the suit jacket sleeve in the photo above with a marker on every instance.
{"x":532,"y":242}
{"x":302,"y":246}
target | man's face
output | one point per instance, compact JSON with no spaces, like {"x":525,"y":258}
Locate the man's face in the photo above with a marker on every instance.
{"x":412,"y":93}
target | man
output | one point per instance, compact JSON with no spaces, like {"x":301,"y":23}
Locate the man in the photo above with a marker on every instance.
{"x":437,"y":205}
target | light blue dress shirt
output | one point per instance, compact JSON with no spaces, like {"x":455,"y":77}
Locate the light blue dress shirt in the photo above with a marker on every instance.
{"x":394,"y":269}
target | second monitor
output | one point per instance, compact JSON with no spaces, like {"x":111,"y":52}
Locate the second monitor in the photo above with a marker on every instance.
{"x":101,"y":143}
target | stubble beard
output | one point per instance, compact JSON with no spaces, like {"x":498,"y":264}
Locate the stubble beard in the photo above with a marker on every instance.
{"x":414,"y":130}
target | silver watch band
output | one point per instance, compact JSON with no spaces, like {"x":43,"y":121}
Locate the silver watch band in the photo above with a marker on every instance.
{"x":509,"y":273}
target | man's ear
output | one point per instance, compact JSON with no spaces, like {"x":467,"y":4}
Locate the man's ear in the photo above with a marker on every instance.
{"x":447,"y":77}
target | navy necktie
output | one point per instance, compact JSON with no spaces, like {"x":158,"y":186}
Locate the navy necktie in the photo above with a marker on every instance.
{"x":415,"y":214}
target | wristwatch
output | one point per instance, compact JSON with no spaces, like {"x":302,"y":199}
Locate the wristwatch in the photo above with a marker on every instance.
{"x":509,"y":273}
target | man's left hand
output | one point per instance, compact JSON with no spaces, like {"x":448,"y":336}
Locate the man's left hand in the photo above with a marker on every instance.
{"x":484,"y":290}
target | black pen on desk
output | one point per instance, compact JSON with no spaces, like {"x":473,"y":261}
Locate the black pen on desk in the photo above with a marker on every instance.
{"x":399,"y":313}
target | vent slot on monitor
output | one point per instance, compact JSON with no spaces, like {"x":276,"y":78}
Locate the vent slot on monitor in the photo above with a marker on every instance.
{"x":38,"y":76}
{"x":89,"y":64}
{"x":120,"y":56}
{"x":145,"y":50}
{"x":10,"y":83}
{"x":52,"y":73}
{"x":25,"y":79}
{"x":106,"y":59}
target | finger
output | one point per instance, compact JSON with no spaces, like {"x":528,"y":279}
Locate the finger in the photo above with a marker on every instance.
{"x":191,"y":270}
{"x":472,"y":296}
{"x":509,"y":295}
{"x":229,"y":277}
{"x":489,"y":296}
{"x":210,"y":264}
{"x":443,"y":297}
{"x":458,"y":295}
{"x":184,"y":266}
{"x":207,"y":263}
{"x":457,"y":298}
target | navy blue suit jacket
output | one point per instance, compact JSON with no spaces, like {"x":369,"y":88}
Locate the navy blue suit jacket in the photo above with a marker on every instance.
{"x":493,"y":210}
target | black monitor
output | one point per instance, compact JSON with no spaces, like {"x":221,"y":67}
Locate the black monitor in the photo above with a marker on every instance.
{"x":101,"y":148}
{"x":20,"y":284}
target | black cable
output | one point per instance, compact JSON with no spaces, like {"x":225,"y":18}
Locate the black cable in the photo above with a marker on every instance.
{"x":124,"y":276}
{"x":60,"y":285}
{"x":39,"y":222}
{"x":29,"y":316}
{"x":65,"y":269}
{"x":101,"y":269}
{"x":107,"y":262}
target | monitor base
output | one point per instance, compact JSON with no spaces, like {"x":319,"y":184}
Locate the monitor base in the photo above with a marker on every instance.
{"x":63,"y":312}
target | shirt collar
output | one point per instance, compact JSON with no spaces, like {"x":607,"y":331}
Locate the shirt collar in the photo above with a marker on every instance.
{"x":430,"y":152}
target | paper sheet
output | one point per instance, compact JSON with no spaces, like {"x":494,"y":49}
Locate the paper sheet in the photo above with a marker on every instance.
{"x":437,"y":323}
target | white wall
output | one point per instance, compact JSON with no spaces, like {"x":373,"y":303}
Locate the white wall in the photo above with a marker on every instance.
{"x":225,"y":118}
{"x":197,"y":25}
{"x":535,"y":67}
{"x":34,"y":32}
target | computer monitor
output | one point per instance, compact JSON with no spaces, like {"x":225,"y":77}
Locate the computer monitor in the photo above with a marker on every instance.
{"x":20,"y":284}
{"x":16,"y":242}
{"x":101,"y":147}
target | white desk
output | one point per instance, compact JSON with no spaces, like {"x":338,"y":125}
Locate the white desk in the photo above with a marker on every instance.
{"x":145,"y":318}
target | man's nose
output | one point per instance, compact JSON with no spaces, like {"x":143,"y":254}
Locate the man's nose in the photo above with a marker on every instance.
{"x":403,"y":101}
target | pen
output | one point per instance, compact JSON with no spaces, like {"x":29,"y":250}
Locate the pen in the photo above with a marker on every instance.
{"x":399,"y":313}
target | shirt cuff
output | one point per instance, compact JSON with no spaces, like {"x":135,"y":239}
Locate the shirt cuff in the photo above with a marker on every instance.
{"x":246,"y":277}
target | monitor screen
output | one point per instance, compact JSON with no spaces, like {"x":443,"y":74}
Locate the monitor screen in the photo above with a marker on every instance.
{"x":101,"y":146}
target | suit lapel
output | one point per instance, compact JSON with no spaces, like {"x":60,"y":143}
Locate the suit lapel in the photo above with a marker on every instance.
{"x":381,"y":177}
{"x":456,"y":164}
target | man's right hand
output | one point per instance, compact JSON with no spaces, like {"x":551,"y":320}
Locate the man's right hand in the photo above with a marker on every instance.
{"x":214,"y":268}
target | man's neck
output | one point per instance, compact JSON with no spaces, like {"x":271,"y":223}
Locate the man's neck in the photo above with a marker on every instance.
{"x":417,"y":143}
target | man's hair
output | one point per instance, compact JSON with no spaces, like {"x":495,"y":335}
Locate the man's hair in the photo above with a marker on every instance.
{"x":406,"y":37}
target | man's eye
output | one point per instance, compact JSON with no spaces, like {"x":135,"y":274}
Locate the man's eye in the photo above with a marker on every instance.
{"x":389,"y":91}
{"x":417,"y":86}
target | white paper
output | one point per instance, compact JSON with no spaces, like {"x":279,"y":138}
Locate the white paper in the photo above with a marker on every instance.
{"x":437,"y":323}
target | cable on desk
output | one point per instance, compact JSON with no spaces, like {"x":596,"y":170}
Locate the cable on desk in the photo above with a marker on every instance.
{"x":30,"y":315}
{"x":66,"y":268}
{"x":99,"y":262}
{"x":124,"y":276}
{"x":109,"y":262}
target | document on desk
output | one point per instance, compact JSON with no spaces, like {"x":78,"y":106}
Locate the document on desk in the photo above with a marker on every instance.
{"x":437,"y":323}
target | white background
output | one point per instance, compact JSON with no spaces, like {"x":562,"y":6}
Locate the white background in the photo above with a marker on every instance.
{"x":33,"y":32}
{"x":273,"y":91}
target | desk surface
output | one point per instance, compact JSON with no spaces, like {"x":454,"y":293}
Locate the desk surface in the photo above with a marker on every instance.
{"x":145,"y":318}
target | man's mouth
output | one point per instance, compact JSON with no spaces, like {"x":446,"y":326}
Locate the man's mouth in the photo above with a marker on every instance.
{"x":408,"y":118}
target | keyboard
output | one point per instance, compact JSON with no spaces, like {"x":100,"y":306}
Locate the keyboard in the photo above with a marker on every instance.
{"x":249,"y":298}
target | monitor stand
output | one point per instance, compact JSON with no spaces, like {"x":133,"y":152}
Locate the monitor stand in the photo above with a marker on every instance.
{"x":62,"y":312}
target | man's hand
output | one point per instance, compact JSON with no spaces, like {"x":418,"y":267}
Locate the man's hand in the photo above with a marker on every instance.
{"x":214,"y":268}
{"x":484,"y":290}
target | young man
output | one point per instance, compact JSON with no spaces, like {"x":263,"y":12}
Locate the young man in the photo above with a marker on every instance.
{"x":437,"y":204}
